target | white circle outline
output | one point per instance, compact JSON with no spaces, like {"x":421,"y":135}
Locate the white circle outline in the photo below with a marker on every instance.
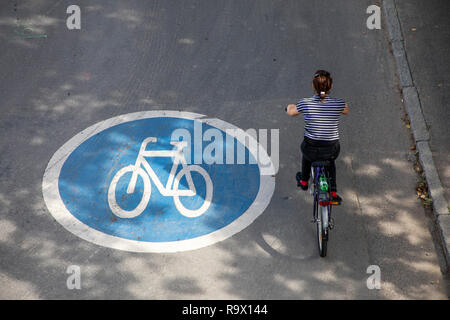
{"x":55,"y":204}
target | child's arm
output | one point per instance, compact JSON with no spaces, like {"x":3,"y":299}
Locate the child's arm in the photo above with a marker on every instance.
{"x":345,"y":111}
{"x":292,"y":110}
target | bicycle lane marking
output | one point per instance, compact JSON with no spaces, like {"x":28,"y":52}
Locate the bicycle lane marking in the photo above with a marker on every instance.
{"x":150,"y":231}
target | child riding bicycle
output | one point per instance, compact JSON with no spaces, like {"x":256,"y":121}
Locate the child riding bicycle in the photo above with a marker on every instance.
{"x":321,"y":136}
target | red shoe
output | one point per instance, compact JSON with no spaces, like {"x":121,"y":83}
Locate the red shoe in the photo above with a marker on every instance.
{"x":300,"y":183}
{"x":335,"y":199}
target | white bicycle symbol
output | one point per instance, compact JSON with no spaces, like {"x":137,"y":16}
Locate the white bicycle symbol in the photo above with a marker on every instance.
{"x":168,"y":190}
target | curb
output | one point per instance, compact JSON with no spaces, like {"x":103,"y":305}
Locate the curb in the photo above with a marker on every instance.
{"x":419,"y":127}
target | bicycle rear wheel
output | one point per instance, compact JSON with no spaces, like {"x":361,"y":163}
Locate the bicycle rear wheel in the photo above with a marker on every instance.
{"x":322,"y":230}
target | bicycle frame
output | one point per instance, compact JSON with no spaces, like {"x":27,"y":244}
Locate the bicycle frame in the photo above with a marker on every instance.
{"x":316,"y":172}
{"x":177,"y":155}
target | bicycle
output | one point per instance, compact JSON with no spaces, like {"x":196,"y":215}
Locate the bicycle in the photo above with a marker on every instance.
{"x":322,"y":204}
{"x":170,"y":190}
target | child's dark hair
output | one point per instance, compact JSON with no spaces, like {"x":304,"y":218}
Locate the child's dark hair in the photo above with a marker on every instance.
{"x":322,"y":83}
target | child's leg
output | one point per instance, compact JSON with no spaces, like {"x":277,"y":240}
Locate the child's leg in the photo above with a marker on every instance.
{"x":306,"y":169}
{"x":333,"y":187}
{"x":332,"y":175}
{"x":306,"y":165}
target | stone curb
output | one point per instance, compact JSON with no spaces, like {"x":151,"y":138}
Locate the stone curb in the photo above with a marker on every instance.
{"x":418,"y":125}
{"x":444,"y":224}
{"x":434,"y":184}
{"x":414,"y":110}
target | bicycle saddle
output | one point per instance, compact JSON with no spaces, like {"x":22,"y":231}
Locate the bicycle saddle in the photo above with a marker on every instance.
{"x":320,"y":163}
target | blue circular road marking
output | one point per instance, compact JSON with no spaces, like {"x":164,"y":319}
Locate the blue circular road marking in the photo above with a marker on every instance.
{"x":78,"y":183}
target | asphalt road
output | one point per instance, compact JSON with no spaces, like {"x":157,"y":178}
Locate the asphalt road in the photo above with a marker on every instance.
{"x":241,"y":62}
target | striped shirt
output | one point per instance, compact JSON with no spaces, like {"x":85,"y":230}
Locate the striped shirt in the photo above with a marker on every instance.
{"x":321,"y":118}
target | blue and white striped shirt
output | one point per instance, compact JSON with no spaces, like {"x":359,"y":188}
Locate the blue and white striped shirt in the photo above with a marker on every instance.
{"x":321,"y":118}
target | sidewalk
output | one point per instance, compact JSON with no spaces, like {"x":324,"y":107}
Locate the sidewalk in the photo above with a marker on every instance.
{"x":418,"y":32}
